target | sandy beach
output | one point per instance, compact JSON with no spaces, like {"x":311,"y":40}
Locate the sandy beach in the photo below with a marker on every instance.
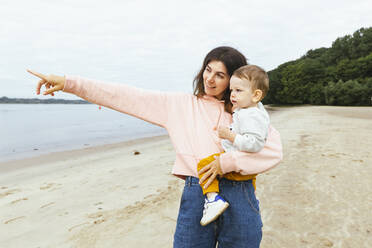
{"x":106,"y":196}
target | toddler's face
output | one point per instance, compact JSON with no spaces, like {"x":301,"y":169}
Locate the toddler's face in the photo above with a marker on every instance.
{"x":241,"y":93}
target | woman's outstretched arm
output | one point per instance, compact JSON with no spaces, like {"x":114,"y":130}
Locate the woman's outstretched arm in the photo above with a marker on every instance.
{"x":148,"y":105}
{"x":151,"y":106}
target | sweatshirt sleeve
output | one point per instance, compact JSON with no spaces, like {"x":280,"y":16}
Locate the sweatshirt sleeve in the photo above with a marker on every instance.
{"x":254,"y":163}
{"x":147,"y":105}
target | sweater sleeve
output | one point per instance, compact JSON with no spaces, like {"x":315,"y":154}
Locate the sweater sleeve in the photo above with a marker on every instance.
{"x":151,"y":106}
{"x":254,"y":163}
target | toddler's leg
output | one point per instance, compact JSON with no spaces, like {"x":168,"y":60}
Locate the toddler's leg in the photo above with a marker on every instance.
{"x":214,"y":204}
{"x":213,"y":187}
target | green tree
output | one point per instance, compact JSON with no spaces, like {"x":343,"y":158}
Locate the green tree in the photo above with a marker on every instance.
{"x":311,"y":78}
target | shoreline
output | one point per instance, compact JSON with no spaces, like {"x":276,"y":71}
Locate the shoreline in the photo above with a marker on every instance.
{"x":41,"y":159}
{"x":37,"y":152}
{"x":70,"y":128}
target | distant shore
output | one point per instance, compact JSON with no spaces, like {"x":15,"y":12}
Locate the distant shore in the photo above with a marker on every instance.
{"x":6,"y":100}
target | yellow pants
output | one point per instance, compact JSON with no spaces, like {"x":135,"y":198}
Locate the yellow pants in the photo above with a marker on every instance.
{"x":234,"y":176}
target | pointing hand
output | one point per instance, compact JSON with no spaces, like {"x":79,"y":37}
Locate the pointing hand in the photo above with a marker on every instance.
{"x":52,"y":83}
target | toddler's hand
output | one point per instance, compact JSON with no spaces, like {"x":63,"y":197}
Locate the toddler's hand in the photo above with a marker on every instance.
{"x":224,"y":132}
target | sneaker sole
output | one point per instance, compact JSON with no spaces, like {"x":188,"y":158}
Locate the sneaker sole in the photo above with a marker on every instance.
{"x":217,"y":215}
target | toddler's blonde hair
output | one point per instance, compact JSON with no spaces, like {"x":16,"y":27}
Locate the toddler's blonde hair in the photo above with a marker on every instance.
{"x":256,"y":76}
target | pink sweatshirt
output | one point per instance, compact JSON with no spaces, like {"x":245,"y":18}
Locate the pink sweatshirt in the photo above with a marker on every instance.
{"x":189,"y":121}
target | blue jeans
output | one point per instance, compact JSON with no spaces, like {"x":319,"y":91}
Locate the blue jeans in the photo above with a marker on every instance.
{"x":238,"y":227}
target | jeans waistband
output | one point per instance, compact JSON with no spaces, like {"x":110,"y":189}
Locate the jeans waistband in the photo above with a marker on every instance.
{"x":195,"y":181}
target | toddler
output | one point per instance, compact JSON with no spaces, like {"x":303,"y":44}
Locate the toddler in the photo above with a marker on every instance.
{"x":248,"y":131}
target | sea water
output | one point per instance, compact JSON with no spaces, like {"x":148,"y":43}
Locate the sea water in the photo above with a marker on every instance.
{"x":28,"y":130}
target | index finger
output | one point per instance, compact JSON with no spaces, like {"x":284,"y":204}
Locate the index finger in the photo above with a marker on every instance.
{"x":39,"y":75}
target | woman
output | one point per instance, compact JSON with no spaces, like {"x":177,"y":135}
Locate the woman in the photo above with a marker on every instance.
{"x":191,"y":121}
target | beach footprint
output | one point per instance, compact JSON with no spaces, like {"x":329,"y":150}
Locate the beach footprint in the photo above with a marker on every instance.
{"x":9,"y":192}
{"x":98,"y":218}
{"x":19,"y":200}
{"x":47,"y":205}
{"x":14,"y":219}
{"x":50,"y":186}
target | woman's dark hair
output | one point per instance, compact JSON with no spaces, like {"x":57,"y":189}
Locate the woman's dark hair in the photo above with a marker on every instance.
{"x":231,"y":58}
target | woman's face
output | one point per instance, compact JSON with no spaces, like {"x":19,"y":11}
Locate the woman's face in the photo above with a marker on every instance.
{"x":216,"y":79}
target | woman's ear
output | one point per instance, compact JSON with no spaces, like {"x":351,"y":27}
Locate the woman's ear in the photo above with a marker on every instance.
{"x":257,"y":95}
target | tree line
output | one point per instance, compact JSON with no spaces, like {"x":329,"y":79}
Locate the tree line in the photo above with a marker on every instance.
{"x":339,"y":75}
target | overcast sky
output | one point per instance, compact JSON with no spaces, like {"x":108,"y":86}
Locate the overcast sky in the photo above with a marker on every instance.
{"x":160,"y":44}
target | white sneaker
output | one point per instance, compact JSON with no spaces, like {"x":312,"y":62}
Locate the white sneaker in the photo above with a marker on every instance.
{"x":213,"y":209}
